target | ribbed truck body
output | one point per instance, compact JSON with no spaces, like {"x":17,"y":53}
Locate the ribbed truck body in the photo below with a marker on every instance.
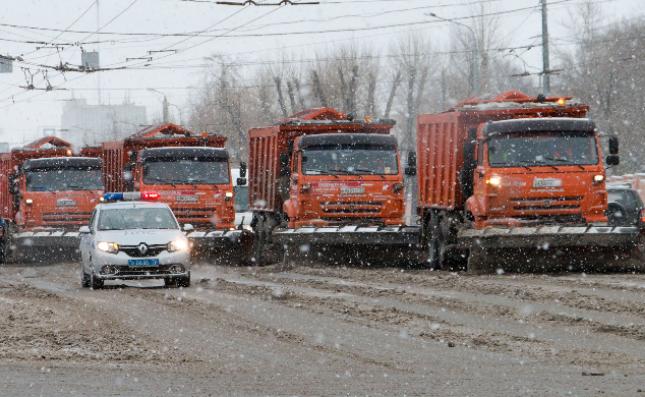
{"x":320,"y":177}
{"x":513,"y":172}
{"x":46,"y":194}
{"x":191,"y":173}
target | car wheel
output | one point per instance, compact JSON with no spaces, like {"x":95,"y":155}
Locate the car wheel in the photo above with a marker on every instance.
{"x":95,"y":283}
{"x":184,"y":282}
{"x":85,"y":279}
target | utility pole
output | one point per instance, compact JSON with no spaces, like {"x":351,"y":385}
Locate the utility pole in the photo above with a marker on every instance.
{"x":98,"y":50}
{"x":546,"y":69}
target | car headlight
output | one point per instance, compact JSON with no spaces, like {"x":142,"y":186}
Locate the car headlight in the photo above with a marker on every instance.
{"x":105,"y":246}
{"x":180,"y":244}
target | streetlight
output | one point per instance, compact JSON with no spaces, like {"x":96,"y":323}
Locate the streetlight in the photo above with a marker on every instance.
{"x":166,"y":105}
{"x":475,"y":62}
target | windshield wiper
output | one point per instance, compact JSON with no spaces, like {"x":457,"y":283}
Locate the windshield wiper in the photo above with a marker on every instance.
{"x":563,"y":160}
{"x":366,"y":171}
{"x":323,"y":172}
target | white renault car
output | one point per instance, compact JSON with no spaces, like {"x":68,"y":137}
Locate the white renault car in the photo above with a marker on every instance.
{"x":132,"y":241}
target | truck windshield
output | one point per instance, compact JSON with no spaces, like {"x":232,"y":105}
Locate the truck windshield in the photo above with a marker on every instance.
{"x":136,"y":218}
{"x":353,"y":161}
{"x":202,"y":171}
{"x":543,"y":148}
{"x":56,"y":180}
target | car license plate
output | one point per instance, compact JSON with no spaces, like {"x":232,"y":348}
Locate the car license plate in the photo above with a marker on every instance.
{"x":143,"y":262}
{"x":547,"y":182}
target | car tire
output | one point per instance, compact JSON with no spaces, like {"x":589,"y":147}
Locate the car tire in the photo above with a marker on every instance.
{"x":184,"y":282}
{"x":95,"y":283}
{"x":85,"y":279}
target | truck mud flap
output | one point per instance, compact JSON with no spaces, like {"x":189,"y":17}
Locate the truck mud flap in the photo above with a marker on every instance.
{"x":46,"y":239}
{"x":545,"y":237}
{"x":402,"y":236}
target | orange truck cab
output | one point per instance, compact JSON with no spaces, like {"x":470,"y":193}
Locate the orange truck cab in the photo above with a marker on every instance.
{"x":515,"y":172}
{"x":190,"y":172}
{"x":322,"y":178}
{"x":47,"y":194}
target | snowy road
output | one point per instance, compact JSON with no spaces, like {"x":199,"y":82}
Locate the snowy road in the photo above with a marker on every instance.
{"x":323,"y":331}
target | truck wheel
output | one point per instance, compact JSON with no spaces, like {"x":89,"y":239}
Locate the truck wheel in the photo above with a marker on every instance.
{"x":480,"y":261}
{"x":434,"y":245}
{"x":259,"y":241}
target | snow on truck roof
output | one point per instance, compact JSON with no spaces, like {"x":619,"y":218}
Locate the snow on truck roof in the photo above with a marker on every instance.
{"x":564,"y":124}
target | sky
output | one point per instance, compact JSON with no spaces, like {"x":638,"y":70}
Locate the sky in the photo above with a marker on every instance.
{"x":246,"y":34}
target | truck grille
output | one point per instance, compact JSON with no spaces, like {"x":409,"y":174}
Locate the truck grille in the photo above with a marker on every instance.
{"x":194,"y":215}
{"x":62,"y":219}
{"x":573,"y":219}
{"x":359,"y":208}
{"x":546,"y":203}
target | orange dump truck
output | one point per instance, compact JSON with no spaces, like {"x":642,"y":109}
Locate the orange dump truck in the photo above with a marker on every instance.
{"x":323,"y":178}
{"x":46,"y":194}
{"x":514,"y":174}
{"x":189,"y":171}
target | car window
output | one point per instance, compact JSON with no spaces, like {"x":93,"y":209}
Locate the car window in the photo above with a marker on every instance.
{"x":136,"y":218}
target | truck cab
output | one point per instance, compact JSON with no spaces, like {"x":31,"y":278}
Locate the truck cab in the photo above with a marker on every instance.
{"x":56,"y":192}
{"x":194,"y":181}
{"x":344,"y":179}
{"x":538,"y":171}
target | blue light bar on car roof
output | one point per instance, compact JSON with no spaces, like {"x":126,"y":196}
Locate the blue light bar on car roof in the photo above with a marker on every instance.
{"x":130,"y":196}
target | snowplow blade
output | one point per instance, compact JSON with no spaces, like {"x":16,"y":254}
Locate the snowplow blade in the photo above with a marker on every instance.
{"x":402,"y":236}
{"x":47,"y":239}
{"x":545,"y":237}
{"x":219,"y":240}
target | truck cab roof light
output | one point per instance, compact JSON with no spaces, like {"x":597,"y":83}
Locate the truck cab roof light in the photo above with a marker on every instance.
{"x":130,"y":196}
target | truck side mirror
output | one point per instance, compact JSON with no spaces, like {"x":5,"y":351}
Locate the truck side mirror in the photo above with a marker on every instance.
{"x":127,"y":176}
{"x":612,"y":159}
{"x":13,"y":184}
{"x":242,"y":170}
{"x":613,"y":145}
{"x":411,"y":168}
{"x":284,"y":164}
{"x":241,"y":181}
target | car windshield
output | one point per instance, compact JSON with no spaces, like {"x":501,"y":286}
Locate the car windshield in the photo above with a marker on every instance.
{"x":136,"y":218}
{"x":241,"y":198}
{"x":194,"y":171}
{"x":57,"y":180}
{"x":363,"y":161}
{"x":544,"y":148}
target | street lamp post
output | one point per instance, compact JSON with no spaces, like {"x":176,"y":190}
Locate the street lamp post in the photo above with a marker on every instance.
{"x":165,"y":104}
{"x":476,"y":53}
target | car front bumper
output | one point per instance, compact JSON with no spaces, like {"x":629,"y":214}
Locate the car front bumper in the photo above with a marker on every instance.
{"x":106,"y":266}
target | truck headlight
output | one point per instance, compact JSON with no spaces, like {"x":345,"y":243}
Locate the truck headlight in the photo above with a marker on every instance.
{"x":494,"y":181}
{"x":29,"y":201}
{"x":180,"y":244}
{"x":598,"y":178}
{"x":105,"y":246}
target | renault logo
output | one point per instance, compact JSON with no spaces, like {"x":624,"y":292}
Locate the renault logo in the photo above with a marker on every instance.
{"x":143,"y":248}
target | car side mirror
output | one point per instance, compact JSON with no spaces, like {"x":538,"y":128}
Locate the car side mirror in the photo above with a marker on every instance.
{"x":242,"y":170}
{"x":613,"y":159}
{"x":241,"y":181}
{"x":188,"y":227}
{"x":613,"y":145}
{"x":84,"y":230}
{"x":411,"y":168}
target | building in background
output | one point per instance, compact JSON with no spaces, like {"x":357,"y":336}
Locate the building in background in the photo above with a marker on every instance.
{"x":83,"y":124}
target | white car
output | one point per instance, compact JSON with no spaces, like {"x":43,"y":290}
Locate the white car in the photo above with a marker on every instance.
{"x":134,"y":240}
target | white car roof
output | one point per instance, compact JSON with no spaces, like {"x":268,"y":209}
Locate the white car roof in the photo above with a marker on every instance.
{"x":131,"y":204}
